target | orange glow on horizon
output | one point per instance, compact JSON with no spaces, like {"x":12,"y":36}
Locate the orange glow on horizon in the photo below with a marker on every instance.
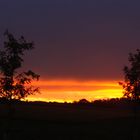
{"x":71,"y":90}
{"x":74,"y":83}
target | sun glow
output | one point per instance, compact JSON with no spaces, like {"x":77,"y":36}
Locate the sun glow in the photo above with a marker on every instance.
{"x":71,"y":90}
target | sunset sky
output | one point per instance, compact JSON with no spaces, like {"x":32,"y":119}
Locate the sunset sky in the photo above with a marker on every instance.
{"x":81,"y":46}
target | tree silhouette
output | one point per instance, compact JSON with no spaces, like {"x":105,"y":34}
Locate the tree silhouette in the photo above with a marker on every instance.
{"x":14,"y":85}
{"x":131,"y":84}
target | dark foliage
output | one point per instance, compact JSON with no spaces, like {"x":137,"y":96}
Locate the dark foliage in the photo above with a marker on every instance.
{"x":14,"y":85}
{"x":131,"y":84}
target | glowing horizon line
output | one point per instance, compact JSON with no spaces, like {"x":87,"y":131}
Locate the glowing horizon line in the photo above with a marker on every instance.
{"x":72,"y":90}
{"x":71,"y":96}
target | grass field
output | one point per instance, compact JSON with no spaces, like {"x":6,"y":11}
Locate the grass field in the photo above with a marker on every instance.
{"x":68,"y":122}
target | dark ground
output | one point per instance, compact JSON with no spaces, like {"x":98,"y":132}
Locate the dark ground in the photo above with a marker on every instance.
{"x":68,"y":122}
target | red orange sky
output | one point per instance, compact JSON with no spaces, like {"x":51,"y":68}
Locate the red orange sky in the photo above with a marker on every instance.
{"x":71,"y":90}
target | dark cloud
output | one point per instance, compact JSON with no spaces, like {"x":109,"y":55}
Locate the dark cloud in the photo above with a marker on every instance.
{"x":78,"y":39}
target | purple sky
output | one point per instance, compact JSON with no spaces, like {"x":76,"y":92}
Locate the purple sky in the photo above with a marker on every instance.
{"x":75,"y":39}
